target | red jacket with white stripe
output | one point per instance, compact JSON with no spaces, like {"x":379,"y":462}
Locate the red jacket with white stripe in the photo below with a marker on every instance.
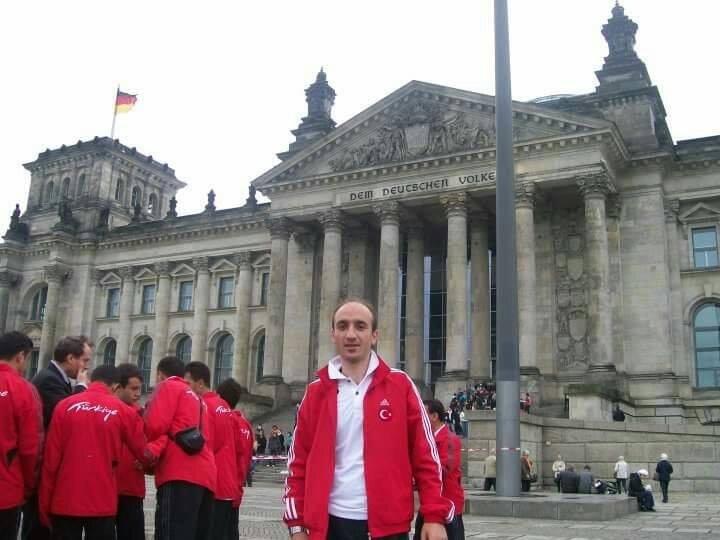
{"x":21,"y":435}
{"x":399,"y":446}
{"x":224,"y":447}
{"x":244,"y":441}
{"x":84,"y":444}
{"x":172,"y":408}
{"x":449,"y":448}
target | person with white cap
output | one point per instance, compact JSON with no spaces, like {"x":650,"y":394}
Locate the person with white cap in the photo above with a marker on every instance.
{"x":663,"y":470}
{"x":643,"y":493}
{"x":621,"y":474}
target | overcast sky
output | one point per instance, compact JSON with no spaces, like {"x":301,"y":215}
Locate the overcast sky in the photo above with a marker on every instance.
{"x":221,"y":83}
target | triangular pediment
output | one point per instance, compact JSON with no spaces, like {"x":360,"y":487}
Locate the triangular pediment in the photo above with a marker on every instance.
{"x":145,"y":273}
{"x":262,"y":262}
{"x":418,"y":122}
{"x":223,"y":265}
{"x":700,"y":212}
{"x":111,"y":278}
{"x":182,"y":269}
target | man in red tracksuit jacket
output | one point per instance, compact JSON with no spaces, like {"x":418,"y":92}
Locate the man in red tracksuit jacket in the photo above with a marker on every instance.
{"x":362,"y":435}
{"x":78,"y":486}
{"x":21,"y":431}
{"x":185,"y":483}
{"x":130,"y":519}
{"x":230,"y":390}
{"x":227,"y":489}
{"x":450,"y":448}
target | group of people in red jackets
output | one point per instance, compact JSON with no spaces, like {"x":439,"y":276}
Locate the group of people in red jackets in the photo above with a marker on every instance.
{"x":73,"y":456}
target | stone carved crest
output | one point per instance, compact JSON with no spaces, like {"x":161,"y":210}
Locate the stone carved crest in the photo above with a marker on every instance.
{"x":570,"y":291}
{"x":419,"y":129}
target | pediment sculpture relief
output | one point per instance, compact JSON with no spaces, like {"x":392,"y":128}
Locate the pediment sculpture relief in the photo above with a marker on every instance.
{"x":420,"y":129}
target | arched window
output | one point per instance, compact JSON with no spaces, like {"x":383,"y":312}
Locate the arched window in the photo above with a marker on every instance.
{"x":260,"y":358}
{"x":37,"y":307}
{"x":707,"y":346}
{"x":81,"y":185}
{"x":153,"y":205}
{"x":183,"y":349}
{"x":144,"y":362}
{"x":136,"y":197}
{"x":109,"y":354}
{"x":223,"y":359}
{"x":49,"y":192}
{"x":119,"y":189}
{"x":66,"y":187}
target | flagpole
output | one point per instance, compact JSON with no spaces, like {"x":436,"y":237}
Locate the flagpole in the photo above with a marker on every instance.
{"x":112,"y":129}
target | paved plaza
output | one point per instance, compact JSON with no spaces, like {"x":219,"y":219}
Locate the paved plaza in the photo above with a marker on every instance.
{"x":686,"y":518}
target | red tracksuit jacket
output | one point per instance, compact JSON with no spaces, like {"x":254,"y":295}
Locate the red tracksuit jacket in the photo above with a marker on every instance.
{"x":399,"y":445}
{"x":224,"y":447}
{"x":84,"y":445}
{"x":21,"y":435}
{"x":450,"y":447}
{"x":172,"y":408}
{"x":244,"y":441}
{"x":130,"y":473}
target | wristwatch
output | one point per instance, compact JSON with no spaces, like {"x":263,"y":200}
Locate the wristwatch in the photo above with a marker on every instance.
{"x":295,"y":529}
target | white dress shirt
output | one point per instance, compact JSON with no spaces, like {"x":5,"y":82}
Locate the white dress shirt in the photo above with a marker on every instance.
{"x":348,"y":498}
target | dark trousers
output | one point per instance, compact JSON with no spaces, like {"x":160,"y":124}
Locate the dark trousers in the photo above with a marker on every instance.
{"x":221,"y":520}
{"x":557,"y":483}
{"x":525,"y":485}
{"x":353,"y":529}
{"x":9,"y":518}
{"x":621,"y":485}
{"x":489,"y":484}
{"x":184,"y":512}
{"x":235,"y":524}
{"x":455,"y":530}
{"x":71,"y":528}
{"x":664,"y":488}
{"x":130,"y":519}
{"x":32,"y":529}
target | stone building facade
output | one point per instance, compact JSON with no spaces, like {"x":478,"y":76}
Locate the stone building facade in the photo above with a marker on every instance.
{"x":618,"y":276}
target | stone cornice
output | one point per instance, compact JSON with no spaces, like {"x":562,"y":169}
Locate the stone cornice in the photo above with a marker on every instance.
{"x":388,"y":212}
{"x":455,"y":204}
{"x":9,"y":278}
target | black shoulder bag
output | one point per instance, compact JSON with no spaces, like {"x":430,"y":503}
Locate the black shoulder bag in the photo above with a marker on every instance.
{"x":191,"y":440}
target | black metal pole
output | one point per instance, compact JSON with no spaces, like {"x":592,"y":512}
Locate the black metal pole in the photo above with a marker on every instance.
{"x":508,"y":366}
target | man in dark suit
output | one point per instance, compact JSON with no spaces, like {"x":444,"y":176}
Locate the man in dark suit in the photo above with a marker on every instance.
{"x":54,"y":383}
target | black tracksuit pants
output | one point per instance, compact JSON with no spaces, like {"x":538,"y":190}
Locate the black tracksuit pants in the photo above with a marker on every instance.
{"x":353,"y":529}
{"x":130,"y":519}
{"x":72,"y":527}
{"x":184,"y":512}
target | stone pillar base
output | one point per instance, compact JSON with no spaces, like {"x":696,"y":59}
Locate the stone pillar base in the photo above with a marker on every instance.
{"x":274,"y":387}
{"x":449,"y":384}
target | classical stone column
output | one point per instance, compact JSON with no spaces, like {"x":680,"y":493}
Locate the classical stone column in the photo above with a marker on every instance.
{"x":54,"y":275}
{"x":7,"y":281}
{"x":525,"y":245}
{"x":279,"y":237}
{"x":127,"y":296}
{"x":162,"y":307}
{"x":388,"y":293}
{"x":595,"y":189}
{"x":415,"y":303}
{"x":330,"y":283}
{"x":243,"y":292}
{"x":357,"y":270}
{"x":672,"y":206}
{"x":456,"y":318}
{"x":201,"y":302}
{"x":480,"y":289}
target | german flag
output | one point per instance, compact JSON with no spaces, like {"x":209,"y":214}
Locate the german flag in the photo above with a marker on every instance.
{"x":124,"y":102}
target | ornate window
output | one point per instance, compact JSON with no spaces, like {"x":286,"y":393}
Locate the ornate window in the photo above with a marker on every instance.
{"x":66,"y":187}
{"x":37,"y":307}
{"x":225,"y":293}
{"x":109,"y":353}
{"x":50,"y":192}
{"x":144,"y":362}
{"x":264,"y":281}
{"x":81,"y":185}
{"x":223,"y":359}
{"x":705,"y":252}
{"x":113,"y":303}
{"x":183,"y":349}
{"x":119,"y":189}
{"x":260,"y":357}
{"x":185,"y":299}
{"x":136,"y":197}
{"x":148,"y":300}
{"x":153,"y":208}
{"x":707,"y":346}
